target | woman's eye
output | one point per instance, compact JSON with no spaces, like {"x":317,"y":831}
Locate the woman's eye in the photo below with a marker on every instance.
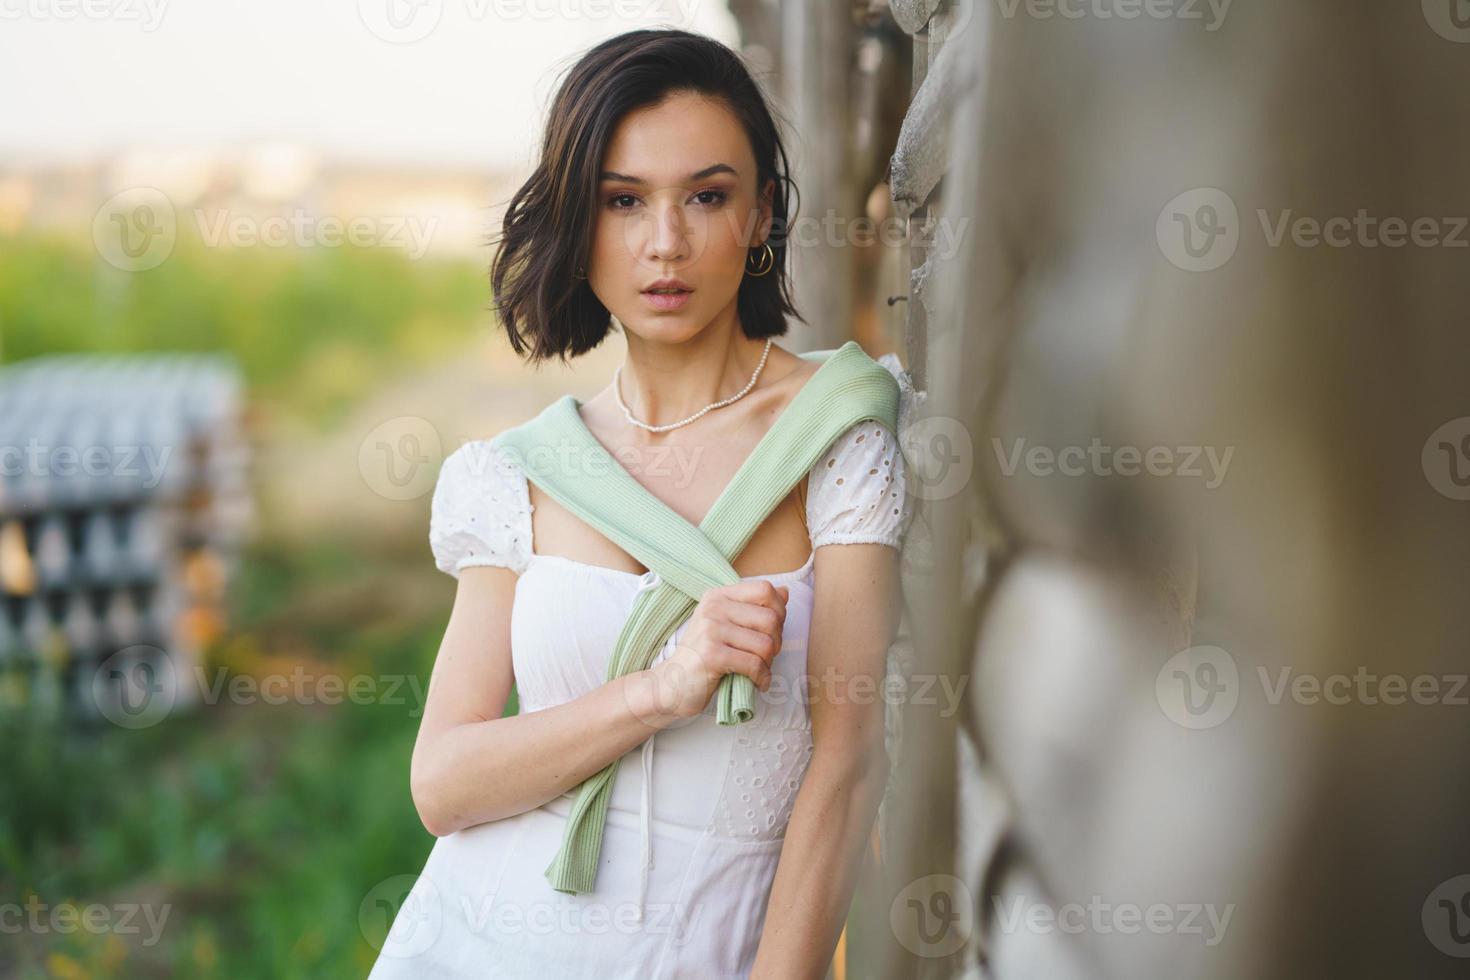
{"x":710,"y":198}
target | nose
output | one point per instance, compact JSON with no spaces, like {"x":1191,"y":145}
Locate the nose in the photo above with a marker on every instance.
{"x":669,"y":236}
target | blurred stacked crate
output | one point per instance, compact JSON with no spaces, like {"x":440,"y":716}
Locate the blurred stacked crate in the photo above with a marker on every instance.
{"x":123,"y":499}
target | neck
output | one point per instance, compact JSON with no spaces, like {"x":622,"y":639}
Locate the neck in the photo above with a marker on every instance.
{"x":664,"y":383}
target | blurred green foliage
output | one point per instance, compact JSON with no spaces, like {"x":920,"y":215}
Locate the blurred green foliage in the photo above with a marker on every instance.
{"x":313,"y":328}
{"x":261,"y":828}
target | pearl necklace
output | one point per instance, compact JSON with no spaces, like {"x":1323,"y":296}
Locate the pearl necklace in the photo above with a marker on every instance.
{"x":618,"y":393}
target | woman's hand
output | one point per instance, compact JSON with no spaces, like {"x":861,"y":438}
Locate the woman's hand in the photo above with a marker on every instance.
{"x":735,"y":629}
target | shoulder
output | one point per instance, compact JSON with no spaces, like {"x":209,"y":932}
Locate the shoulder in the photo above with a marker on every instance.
{"x":858,"y":489}
{"x":481,"y":511}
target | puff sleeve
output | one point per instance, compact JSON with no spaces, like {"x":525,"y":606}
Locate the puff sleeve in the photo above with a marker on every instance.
{"x":857,"y":492}
{"x":481,"y":511}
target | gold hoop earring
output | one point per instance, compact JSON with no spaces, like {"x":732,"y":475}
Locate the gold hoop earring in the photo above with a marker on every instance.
{"x":578,"y":275}
{"x":764,"y":262}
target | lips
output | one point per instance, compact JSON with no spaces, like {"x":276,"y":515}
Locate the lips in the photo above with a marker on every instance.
{"x":667,"y":299}
{"x":668,"y":284}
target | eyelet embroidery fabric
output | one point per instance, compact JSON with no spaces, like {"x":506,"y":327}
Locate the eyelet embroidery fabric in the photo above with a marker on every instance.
{"x":858,"y":489}
{"x":481,"y":511}
{"x":760,"y":790}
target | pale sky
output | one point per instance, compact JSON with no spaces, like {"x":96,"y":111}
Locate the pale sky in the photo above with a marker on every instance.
{"x":463,"y":81}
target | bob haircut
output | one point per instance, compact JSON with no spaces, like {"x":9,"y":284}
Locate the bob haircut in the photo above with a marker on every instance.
{"x":542,"y":304}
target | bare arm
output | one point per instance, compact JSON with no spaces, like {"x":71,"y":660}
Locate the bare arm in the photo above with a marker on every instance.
{"x":854,"y":619}
{"x":470,"y":764}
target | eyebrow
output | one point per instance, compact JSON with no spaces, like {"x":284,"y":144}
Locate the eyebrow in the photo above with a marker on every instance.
{"x":710,"y":171}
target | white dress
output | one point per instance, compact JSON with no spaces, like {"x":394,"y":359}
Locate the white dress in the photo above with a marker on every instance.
{"x":695,"y":827}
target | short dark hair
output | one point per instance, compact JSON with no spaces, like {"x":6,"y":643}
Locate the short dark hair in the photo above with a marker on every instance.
{"x":545,"y":309}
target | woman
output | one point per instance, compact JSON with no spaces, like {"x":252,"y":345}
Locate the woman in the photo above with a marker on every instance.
{"x":733,"y":851}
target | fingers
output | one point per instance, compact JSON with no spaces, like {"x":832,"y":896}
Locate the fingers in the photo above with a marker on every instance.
{"x":763,"y":619}
{"x":757,"y":668}
{"x":760,"y":592}
{"x":759,"y":643}
{"x":751,"y":604}
{"x":742,"y":627}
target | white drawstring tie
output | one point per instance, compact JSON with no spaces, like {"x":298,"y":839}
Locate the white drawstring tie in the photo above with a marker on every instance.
{"x":645,"y":809}
{"x":645,"y":816}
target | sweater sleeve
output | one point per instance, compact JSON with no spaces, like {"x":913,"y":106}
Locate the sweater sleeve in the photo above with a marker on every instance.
{"x":481,"y":511}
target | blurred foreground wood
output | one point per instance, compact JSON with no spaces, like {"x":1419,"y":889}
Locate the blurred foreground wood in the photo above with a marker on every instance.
{"x":1214,"y":692}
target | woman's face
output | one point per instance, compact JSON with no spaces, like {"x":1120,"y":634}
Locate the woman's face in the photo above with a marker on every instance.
{"x":677,"y":200}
